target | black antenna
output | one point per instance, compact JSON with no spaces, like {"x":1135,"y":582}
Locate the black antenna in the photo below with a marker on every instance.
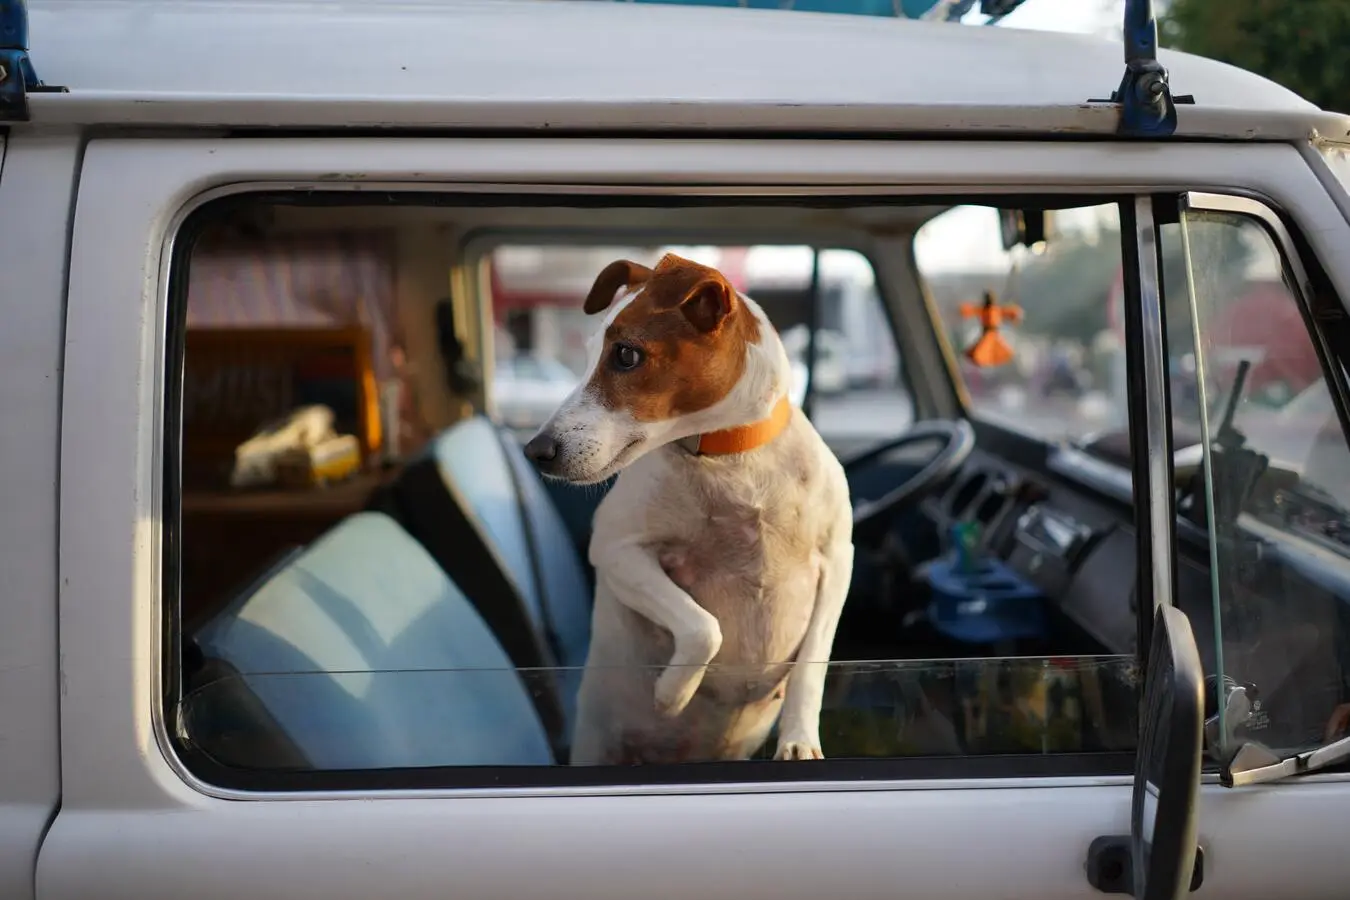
{"x":1227,"y":435}
{"x":1147,"y":107}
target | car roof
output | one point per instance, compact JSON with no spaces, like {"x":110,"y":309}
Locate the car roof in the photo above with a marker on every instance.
{"x":563,"y":65}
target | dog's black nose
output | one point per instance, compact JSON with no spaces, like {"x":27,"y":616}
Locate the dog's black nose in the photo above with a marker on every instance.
{"x":542,"y":449}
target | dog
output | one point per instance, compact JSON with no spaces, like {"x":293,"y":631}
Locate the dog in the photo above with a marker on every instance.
{"x":726,"y":538}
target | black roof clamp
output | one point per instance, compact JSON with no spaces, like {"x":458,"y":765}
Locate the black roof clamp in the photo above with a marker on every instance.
{"x":1147,"y":107}
{"x":17,"y":76}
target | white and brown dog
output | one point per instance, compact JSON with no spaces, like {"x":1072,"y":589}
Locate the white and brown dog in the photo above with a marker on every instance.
{"x":727,"y":539}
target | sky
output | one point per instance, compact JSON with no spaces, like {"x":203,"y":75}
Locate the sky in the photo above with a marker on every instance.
{"x":967,"y":239}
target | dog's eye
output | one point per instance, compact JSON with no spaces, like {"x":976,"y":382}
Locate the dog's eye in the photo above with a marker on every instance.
{"x":626,"y":358}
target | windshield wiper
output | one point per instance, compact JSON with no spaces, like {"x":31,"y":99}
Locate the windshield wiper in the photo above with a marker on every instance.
{"x":1255,"y":763}
{"x":1306,"y":490}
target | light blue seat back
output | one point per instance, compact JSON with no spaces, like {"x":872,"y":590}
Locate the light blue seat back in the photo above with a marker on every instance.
{"x":514,"y":512}
{"x":566,"y":590}
{"x":368,"y":657}
{"x":473,"y":463}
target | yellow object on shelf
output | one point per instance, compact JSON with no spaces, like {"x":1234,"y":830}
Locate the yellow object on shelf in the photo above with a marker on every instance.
{"x":334,"y":459}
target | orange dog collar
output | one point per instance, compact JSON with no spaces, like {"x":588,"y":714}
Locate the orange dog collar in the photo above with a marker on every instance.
{"x":747,"y":437}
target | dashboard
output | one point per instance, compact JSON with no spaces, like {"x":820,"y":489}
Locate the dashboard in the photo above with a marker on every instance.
{"x":1067,"y":527}
{"x":1079,"y":551}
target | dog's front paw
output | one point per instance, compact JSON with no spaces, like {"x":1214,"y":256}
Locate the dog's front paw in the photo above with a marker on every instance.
{"x":675,"y":687}
{"x":695,"y":647}
{"x":798,"y":747}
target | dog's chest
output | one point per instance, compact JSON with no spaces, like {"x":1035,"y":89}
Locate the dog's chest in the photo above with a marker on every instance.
{"x":745,"y":546}
{"x":736,"y":521}
{"x":735,"y":533}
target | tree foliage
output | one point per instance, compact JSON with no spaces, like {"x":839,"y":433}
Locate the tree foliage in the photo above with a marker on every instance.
{"x":1301,"y":44}
{"x":1064,"y":292}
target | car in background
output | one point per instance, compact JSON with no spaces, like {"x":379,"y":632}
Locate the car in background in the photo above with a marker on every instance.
{"x":830,"y":375}
{"x":528,"y":388}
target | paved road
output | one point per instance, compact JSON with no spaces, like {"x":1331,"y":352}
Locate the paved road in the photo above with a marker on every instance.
{"x":863,"y":414}
{"x":879,"y":414}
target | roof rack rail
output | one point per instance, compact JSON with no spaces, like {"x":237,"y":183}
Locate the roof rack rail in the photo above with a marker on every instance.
{"x":1147,"y":107}
{"x":17,"y":77}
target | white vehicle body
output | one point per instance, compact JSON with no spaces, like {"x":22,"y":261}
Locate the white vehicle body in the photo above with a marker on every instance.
{"x":169,"y":101}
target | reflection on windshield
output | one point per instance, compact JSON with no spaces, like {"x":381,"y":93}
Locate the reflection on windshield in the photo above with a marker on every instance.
{"x":437,"y":717}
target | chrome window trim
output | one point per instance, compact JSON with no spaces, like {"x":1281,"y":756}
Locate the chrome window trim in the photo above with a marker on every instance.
{"x":1149,"y":411}
{"x":159,"y":724}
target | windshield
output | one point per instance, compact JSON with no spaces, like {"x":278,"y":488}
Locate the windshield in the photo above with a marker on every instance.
{"x":1066,"y":376}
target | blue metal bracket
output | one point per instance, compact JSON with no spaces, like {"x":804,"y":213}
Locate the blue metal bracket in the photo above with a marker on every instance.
{"x":955,"y":10}
{"x":1147,"y":107}
{"x":17,"y":76}
{"x":996,"y":10}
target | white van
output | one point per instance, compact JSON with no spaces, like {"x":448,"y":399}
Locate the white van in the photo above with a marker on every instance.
{"x":1080,"y":655}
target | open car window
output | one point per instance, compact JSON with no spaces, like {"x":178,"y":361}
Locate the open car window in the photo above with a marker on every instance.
{"x":374,"y":588}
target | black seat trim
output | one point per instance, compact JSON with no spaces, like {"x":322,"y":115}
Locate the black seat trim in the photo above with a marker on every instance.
{"x":224,"y":719}
{"x":528,"y":527}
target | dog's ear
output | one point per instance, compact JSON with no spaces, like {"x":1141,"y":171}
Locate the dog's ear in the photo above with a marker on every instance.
{"x":702,"y":293}
{"x":618,"y":275}
{"x":707,"y":304}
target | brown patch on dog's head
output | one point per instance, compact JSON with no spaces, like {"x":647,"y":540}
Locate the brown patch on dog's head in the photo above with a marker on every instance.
{"x":617,"y":275}
{"x":678,"y":347}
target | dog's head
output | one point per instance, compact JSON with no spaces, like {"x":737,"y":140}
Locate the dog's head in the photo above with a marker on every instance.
{"x":679,"y":353}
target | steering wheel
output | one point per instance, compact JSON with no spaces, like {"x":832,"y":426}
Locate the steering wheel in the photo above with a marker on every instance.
{"x":958,"y":440}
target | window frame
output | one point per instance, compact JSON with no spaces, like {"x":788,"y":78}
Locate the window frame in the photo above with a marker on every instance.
{"x":754,"y":774}
{"x":110,"y":529}
{"x":1149,"y":397}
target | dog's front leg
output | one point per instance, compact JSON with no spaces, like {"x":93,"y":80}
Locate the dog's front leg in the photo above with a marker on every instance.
{"x":799,"y":724}
{"x":634,"y":575}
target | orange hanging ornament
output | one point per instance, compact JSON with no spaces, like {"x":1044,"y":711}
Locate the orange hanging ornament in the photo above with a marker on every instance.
{"x":990,"y":348}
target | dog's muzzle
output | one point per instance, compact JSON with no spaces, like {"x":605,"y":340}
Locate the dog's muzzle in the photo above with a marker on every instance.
{"x":542,"y":450}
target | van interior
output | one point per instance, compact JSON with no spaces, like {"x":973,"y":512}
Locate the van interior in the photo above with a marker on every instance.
{"x":428,"y":607}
